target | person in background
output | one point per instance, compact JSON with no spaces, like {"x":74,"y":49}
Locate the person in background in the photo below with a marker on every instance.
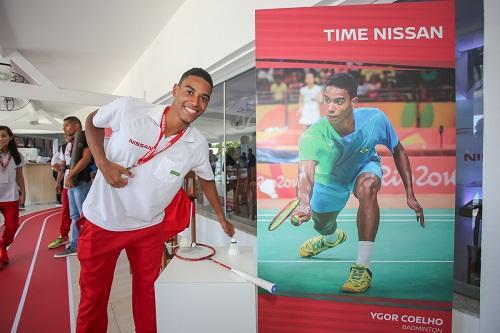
{"x":309,"y":101}
{"x":230,"y":162}
{"x":243,"y":160}
{"x":58,"y":194}
{"x":213,"y":160}
{"x":279,"y":89}
{"x":12,"y":189}
{"x":77,"y":179}
{"x":59,"y":163}
{"x":252,"y":162}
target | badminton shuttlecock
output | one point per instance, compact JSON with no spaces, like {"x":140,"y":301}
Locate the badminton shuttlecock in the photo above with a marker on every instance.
{"x":233,"y":250}
{"x":268,"y":187}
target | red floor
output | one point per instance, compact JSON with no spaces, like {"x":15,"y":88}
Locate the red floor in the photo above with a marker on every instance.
{"x":34,"y":286}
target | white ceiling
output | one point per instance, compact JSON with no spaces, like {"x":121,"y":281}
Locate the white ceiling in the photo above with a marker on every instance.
{"x":82,"y":45}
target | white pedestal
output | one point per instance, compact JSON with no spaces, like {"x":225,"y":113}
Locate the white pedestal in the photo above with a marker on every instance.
{"x":204,"y":297}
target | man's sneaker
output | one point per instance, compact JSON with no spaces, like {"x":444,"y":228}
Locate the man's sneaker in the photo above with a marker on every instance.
{"x":360,"y":279}
{"x":68,"y":252}
{"x":59,"y":241}
{"x":318,"y":244}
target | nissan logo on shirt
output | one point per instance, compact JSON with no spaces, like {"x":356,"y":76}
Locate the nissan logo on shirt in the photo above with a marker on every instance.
{"x":139,"y":144}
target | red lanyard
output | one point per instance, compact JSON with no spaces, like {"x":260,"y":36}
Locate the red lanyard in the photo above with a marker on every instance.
{"x":4,"y":166}
{"x":152,"y":152}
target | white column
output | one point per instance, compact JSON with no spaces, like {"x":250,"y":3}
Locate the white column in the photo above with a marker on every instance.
{"x":490,"y":266}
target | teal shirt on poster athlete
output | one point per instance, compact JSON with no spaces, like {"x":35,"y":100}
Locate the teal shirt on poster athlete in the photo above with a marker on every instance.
{"x":340,"y":160}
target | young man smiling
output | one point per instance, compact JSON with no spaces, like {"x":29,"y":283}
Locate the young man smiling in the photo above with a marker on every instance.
{"x":135,"y":183}
{"x":336,"y":157}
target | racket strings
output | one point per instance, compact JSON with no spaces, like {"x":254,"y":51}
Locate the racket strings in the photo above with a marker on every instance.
{"x":197,"y":253}
{"x":283,"y":214}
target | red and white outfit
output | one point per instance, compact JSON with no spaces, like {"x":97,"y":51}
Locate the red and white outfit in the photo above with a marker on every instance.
{"x":130,"y":217}
{"x":9,"y":196}
{"x":65,"y":217}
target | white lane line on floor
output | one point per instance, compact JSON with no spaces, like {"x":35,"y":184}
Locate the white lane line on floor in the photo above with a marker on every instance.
{"x":353,"y":260}
{"x":28,"y":278}
{"x":29,"y":218}
{"x":72,"y":322}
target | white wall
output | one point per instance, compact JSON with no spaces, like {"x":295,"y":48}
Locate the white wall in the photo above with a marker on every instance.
{"x":200,"y":34}
{"x":490,"y":271}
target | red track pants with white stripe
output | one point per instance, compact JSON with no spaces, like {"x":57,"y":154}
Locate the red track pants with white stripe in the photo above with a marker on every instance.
{"x":10,"y":211}
{"x":65,"y":217}
{"x":98,"y":251}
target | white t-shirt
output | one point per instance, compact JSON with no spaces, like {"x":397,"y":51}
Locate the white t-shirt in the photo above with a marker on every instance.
{"x":141,"y":204}
{"x":310,"y":107}
{"x":66,"y":157}
{"x":8,"y":183}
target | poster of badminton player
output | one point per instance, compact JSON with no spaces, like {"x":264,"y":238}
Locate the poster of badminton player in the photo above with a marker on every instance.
{"x":356,"y":120}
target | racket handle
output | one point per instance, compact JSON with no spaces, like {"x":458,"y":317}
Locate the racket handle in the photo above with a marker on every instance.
{"x":296,"y":220}
{"x":269,"y":286}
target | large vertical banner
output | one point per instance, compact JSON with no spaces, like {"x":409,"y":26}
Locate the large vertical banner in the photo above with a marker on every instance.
{"x":351,"y":101}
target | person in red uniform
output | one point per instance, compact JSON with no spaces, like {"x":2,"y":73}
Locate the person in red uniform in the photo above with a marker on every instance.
{"x":12,"y":189}
{"x":59,"y":164}
{"x":140,"y":171}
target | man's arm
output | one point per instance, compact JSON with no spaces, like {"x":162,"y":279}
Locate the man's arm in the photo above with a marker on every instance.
{"x":112,"y":172}
{"x":403,"y":165}
{"x":208,"y":187}
{"x":60,"y":176}
{"x":305,"y":184}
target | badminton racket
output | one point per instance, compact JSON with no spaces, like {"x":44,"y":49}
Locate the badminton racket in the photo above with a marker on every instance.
{"x":200,"y":252}
{"x":283,"y":214}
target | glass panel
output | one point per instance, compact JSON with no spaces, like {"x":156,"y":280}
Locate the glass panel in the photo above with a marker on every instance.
{"x":240,"y":140}
{"x":211,"y":125}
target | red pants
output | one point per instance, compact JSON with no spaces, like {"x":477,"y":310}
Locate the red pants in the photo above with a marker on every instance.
{"x":98,"y":251}
{"x":65,"y":218}
{"x":10,"y":211}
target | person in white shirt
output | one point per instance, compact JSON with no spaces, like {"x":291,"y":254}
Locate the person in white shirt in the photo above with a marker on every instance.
{"x":309,"y":101}
{"x":12,"y":189}
{"x":77,"y":179}
{"x":59,"y":162}
{"x":141,"y":169}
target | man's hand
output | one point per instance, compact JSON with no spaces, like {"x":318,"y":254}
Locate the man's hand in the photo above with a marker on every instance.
{"x":301,"y":214}
{"x":68,"y":181}
{"x":58,"y":187}
{"x":58,"y":167}
{"x":227,"y":227}
{"x":22,"y":198}
{"x":413,"y":204}
{"x":113,"y":172}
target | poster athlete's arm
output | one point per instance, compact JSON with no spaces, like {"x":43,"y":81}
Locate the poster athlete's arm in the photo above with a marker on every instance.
{"x":403,"y":165}
{"x":305,"y":184}
{"x":95,"y":139}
